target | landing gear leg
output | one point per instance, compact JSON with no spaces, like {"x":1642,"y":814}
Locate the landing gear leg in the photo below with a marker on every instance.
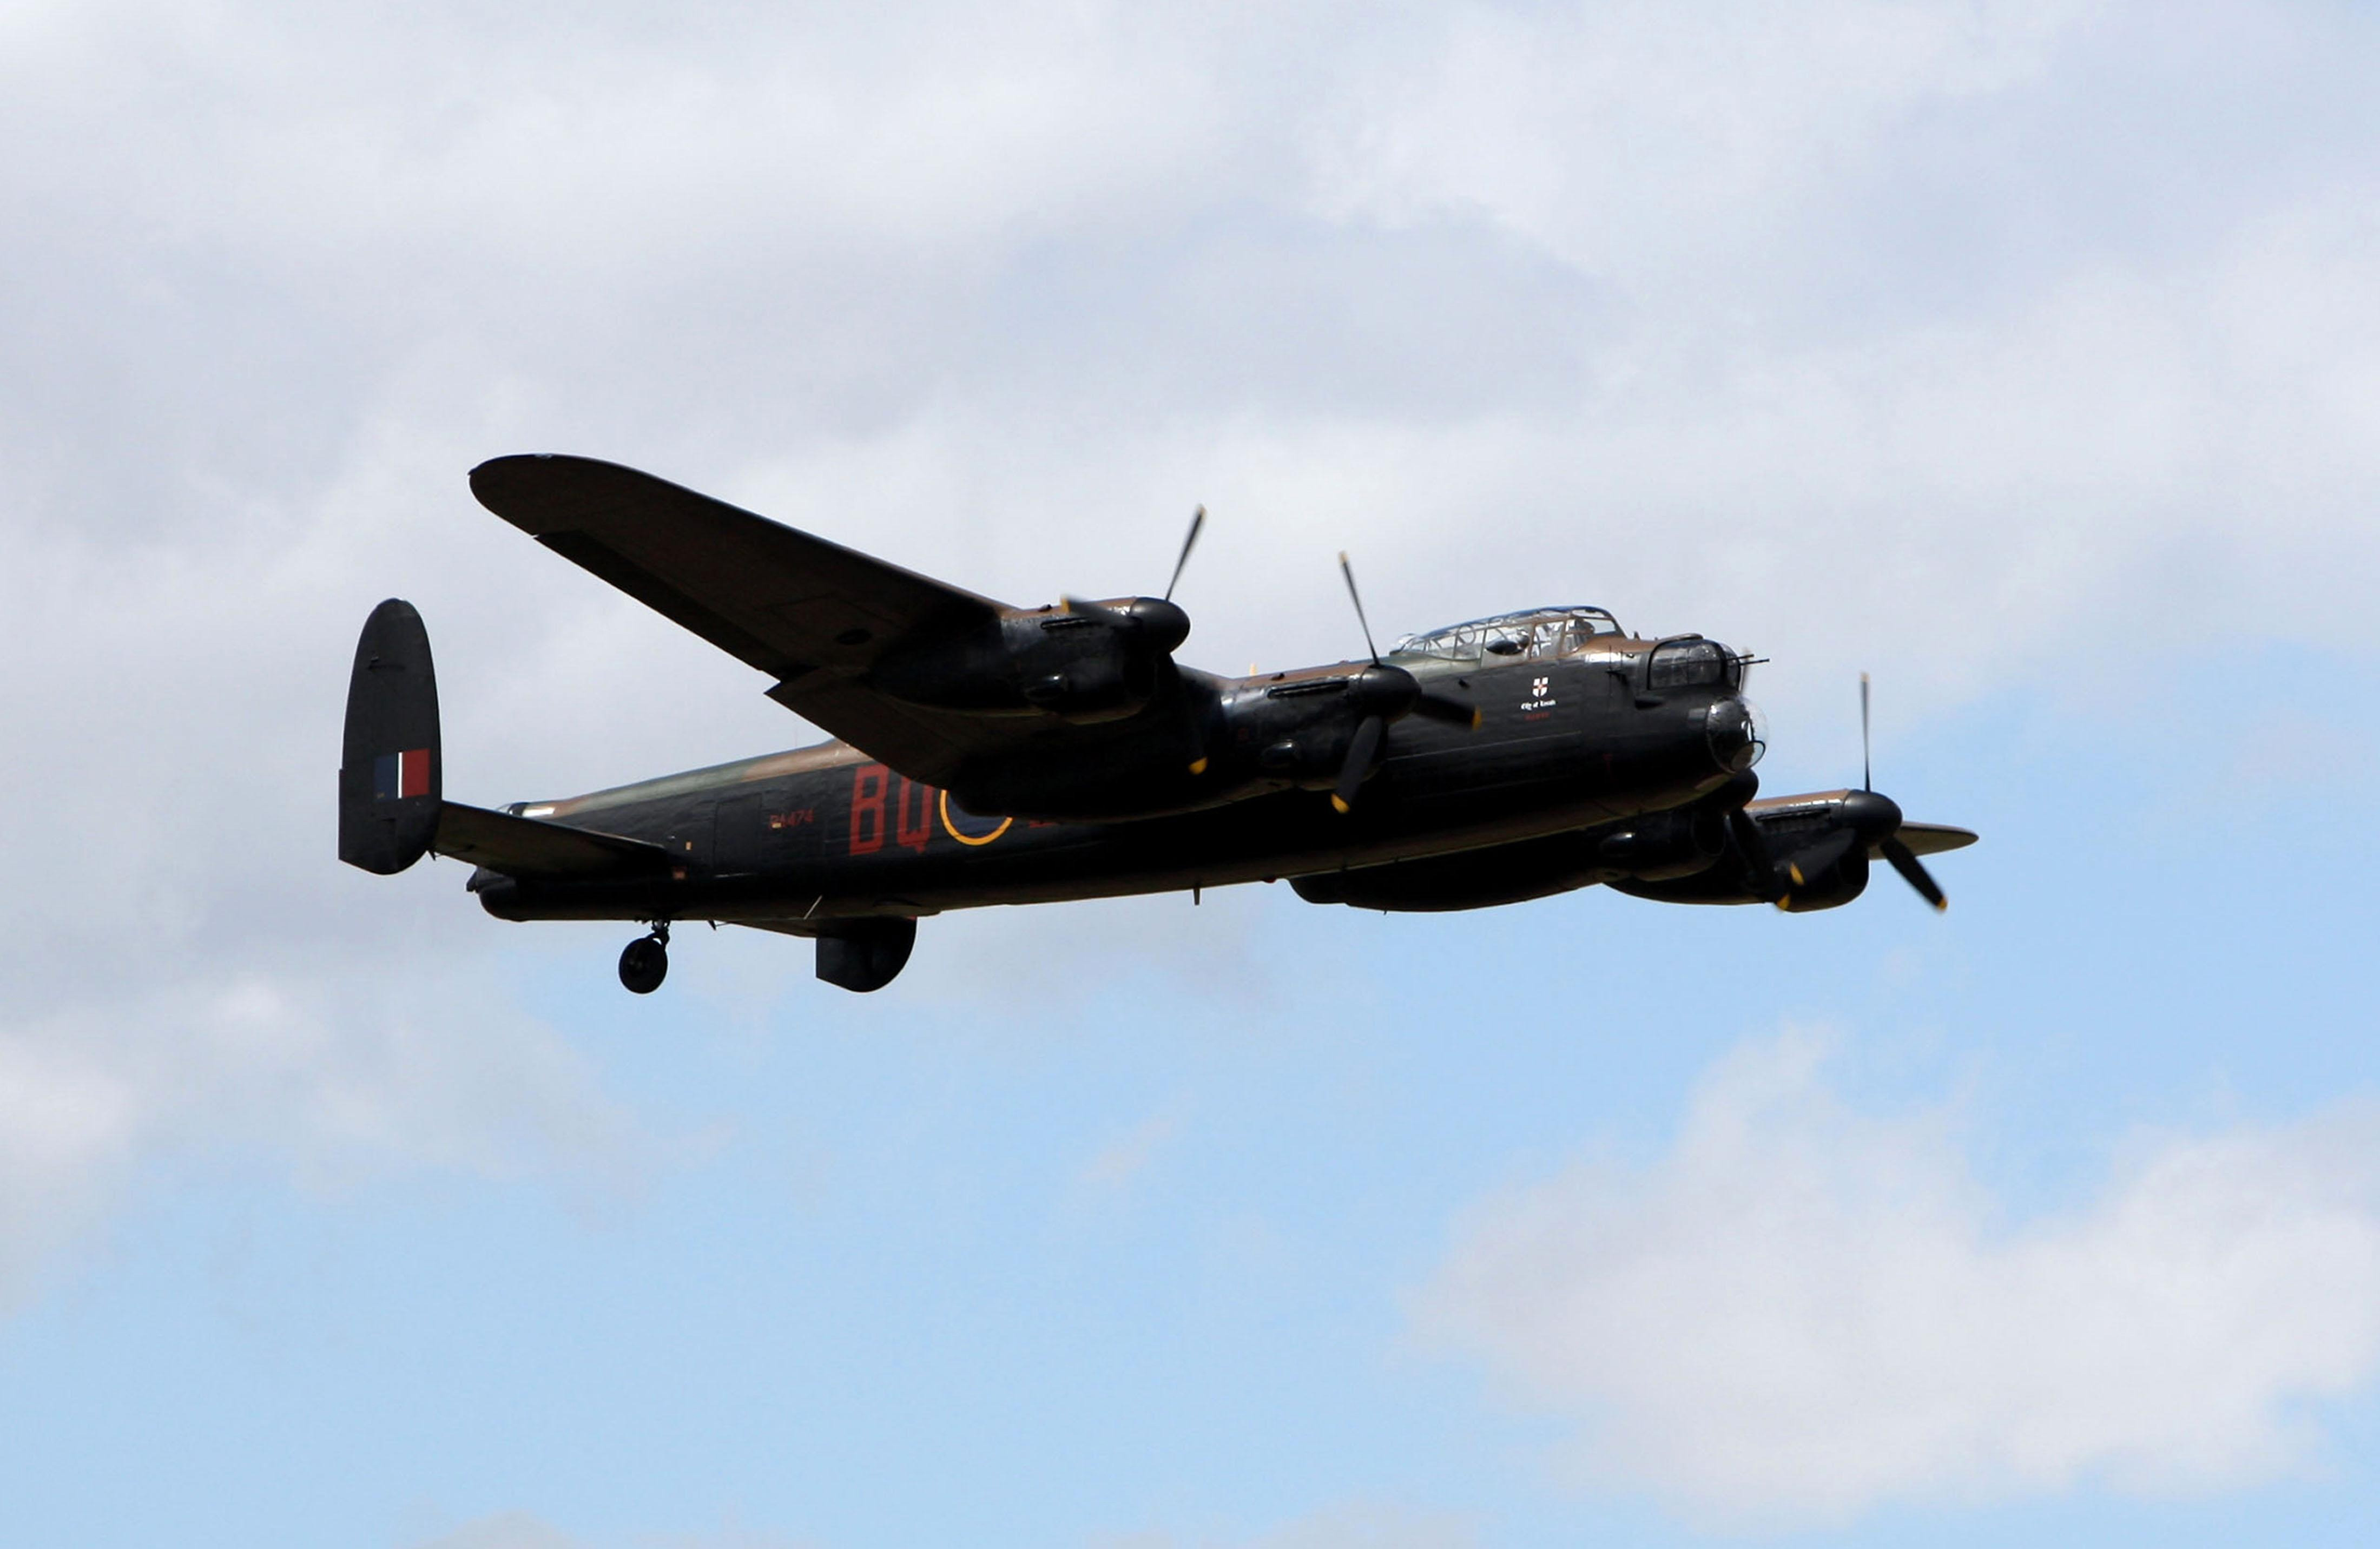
{"x":644,"y":963}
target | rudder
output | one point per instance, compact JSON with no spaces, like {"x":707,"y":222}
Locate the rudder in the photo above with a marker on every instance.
{"x":390,"y":774}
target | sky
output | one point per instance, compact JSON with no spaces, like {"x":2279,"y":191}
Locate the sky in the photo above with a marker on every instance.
{"x":2022,"y":353}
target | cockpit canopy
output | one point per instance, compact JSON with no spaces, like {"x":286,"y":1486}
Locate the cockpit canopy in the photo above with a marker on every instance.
{"x":1691,"y":662}
{"x":1535,"y":631}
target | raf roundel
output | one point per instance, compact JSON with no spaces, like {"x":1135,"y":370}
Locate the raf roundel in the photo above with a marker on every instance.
{"x":967,"y":827}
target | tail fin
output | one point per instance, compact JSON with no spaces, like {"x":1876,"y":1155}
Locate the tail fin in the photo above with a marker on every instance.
{"x":389,"y":765}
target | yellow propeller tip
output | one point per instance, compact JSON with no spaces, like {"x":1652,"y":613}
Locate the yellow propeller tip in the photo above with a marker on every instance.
{"x":1943,"y":907}
{"x":1199,"y":767}
{"x":1795,"y":873}
{"x":1340,"y":802}
{"x":1785,"y":904}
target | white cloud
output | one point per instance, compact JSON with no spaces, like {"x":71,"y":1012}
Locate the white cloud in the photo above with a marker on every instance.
{"x":335,"y":1079}
{"x":1658,"y":142}
{"x":193,"y":974}
{"x":1803,"y":1311}
{"x":1938,"y":327}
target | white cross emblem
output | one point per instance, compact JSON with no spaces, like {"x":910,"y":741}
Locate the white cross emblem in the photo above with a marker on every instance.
{"x":1537,"y":686}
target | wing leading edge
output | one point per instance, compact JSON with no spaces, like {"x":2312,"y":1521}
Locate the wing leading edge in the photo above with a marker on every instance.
{"x":813,"y":614}
{"x":1933,"y":839}
{"x":780,"y":599}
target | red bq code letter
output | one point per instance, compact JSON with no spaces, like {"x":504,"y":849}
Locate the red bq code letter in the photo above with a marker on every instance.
{"x":868,"y":784}
{"x":915,"y":836}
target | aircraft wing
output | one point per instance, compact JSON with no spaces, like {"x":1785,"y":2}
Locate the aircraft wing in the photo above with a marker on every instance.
{"x":782,"y":600}
{"x":1931,"y":838}
{"x":814,"y":614}
{"x":526,"y":847}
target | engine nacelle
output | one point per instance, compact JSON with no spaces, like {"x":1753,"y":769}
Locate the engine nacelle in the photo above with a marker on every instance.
{"x":1088,"y":664}
{"x":1813,"y":854}
{"x":1087,"y":674}
{"x":1662,"y":845}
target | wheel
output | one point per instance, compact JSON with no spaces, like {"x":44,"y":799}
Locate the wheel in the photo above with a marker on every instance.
{"x":644,"y":963}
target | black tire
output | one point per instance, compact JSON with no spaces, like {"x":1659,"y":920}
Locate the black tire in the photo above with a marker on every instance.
{"x":644,"y":963}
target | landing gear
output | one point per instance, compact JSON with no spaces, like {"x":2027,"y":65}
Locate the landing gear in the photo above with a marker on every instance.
{"x":644,"y":963}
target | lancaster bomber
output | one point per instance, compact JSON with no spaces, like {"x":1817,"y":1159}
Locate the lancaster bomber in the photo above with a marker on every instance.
{"x":984,"y":752}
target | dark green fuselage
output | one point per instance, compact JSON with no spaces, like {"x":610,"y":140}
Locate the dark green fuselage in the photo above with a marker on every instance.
{"x":1564,"y":743}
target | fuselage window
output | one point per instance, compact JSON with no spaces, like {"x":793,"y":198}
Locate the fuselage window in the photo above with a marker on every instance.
{"x":1550,"y":638}
{"x":1547,"y":632}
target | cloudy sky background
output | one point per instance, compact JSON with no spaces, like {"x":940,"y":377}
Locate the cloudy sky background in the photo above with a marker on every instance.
{"x":2027,"y":355}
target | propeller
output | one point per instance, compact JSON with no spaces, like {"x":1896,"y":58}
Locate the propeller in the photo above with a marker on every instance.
{"x":1158,"y":622}
{"x":1867,"y":766}
{"x":1385,"y":694}
{"x":1197,"y":526}
{"x":1887,"y":836}
{"x":1360,"y":753}
{"x":1758,"y":860}
{"x":1818,"y":858}
{"x":1904,"y":861}
{"x":1357,"y":598}
{"x":1863,"y":820}
{"x":1150,"y":628}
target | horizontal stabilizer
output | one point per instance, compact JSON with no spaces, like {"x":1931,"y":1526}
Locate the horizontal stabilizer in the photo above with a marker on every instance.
{"x":526,"y":847}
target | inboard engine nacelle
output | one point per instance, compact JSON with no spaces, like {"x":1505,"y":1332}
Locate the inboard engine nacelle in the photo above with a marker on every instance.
{"x":1084,"y":662}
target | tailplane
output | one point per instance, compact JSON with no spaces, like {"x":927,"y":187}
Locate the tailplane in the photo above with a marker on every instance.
{"x":389,"y":763}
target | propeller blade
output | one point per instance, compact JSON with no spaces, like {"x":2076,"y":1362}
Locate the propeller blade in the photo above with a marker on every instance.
{"x":1383,"y":690}
{"x":1914,"y":872}
{"x":1360,"y":753}
{"x":1448,"y":709}
{"x":1754,"y":845}
{"x":1867,"y":770}
{"x":1198,"y":525}
{"x":1349,"y":571}
{"x":1803,"y":864}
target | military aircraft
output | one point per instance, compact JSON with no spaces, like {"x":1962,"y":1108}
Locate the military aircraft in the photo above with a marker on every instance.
{"x":990,"y":753}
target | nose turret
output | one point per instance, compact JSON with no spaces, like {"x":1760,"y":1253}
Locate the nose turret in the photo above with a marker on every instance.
{"x":1732,"y":729}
